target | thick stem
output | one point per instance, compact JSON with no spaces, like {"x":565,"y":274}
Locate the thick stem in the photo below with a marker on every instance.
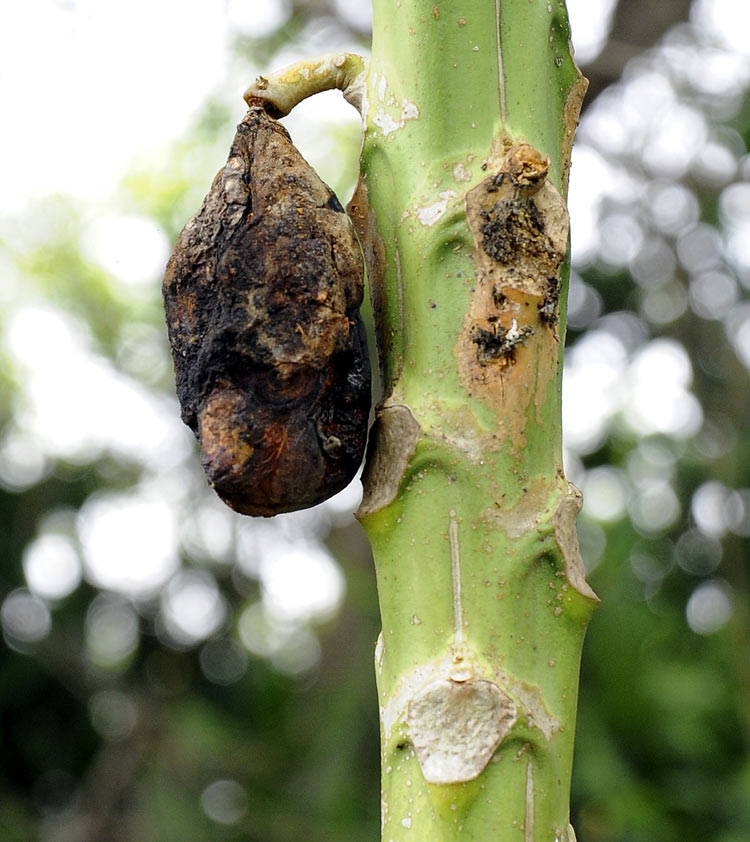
{"x":470,"y":108}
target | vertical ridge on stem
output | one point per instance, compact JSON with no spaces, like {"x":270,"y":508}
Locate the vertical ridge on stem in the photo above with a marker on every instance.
{"x":528,"y":825}
{"x":500,"y":72}
{"x":458,"y":613}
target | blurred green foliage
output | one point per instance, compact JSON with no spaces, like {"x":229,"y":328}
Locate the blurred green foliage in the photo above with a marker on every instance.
{"x":132,"y":749}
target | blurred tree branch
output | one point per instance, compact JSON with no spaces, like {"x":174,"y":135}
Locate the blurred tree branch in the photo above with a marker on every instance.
{"x":636,"y":26}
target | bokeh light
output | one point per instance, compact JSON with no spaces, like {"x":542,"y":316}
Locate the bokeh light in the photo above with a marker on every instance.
{"x":76,"y":403}
{"x":192,"y":607}
{"x":129,"y":543}
{"x":134,"y":249}
{"x":709,"y":606}
{"x":301,"y":583}
{"x":657,"y":398}
{"x":223,"y":661}
{"x":25,"y":618}
{"x":290,"y":647}
{"x":605,"y":494}
{"x":52,"y":566}
{"x":698,"y":553}
{"x":113,"y":714}
{"x":224,"y":801}
{"x":111,"y":631}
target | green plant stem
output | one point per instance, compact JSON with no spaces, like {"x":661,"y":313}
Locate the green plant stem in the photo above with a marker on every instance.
{"x":483,"y":601}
